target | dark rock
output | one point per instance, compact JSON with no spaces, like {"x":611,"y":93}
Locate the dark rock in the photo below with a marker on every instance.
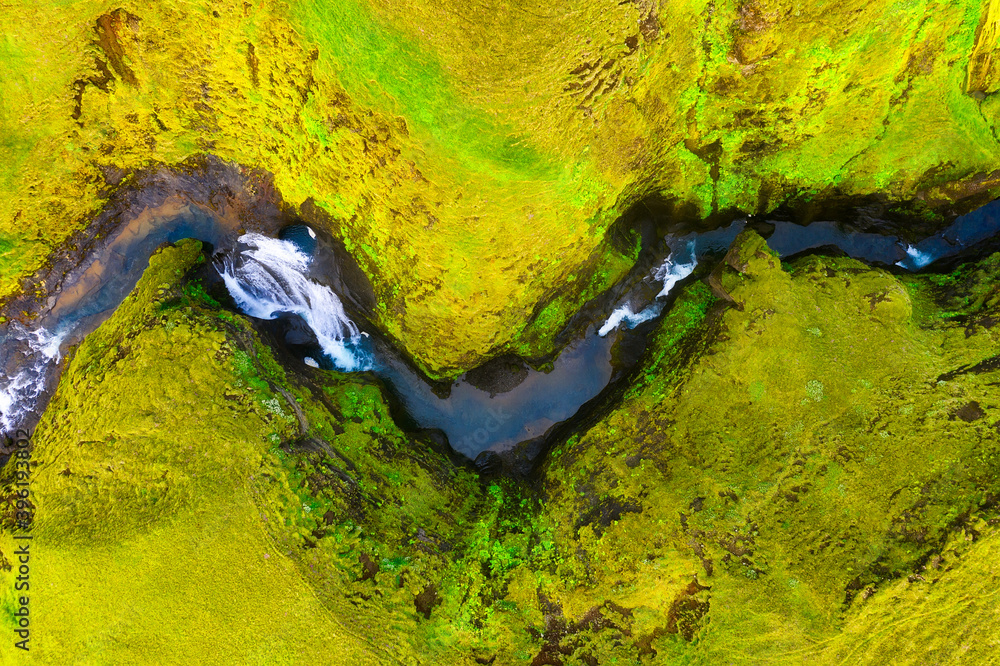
{"x":606,"y":512}
{"x":488,"y":463}
{"x":762,"y":227}
{"x":686,"y":611}
{"x":970,"y":412}
{"x":369,"y":567}
{"x":502,"y":374}
{"x":427,"y":600}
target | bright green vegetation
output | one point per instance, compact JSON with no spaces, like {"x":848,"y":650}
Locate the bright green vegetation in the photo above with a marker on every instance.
{"x":803,"y":469}
{"x":808,"y":465}
{"x":148,"y":525}
{"x":807,"y":476}
{"x":472,"y":157}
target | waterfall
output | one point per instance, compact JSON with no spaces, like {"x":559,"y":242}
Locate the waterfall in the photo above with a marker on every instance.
{"x":269,"y":278}
{"x":915,"y":259}
{"x":19,"y":393}
{"x":678,"y":265}
{"x":631,"y":319}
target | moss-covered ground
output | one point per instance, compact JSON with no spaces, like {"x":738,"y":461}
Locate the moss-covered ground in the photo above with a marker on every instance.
{"x":815,"y":463}
{"x":802,"y":470}
{"x":473,"y":156}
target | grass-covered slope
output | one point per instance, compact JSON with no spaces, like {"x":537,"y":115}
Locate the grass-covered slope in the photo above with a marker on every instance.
{"x":158,"y":486}
{"x":803,"y":470}
{"x":814,"y":472}
{"x":472,"y":157}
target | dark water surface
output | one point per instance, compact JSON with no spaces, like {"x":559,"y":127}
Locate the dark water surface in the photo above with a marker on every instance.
{"x":493,"y":408}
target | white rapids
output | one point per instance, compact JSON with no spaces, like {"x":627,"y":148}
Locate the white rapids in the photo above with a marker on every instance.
{"x":269,"y":278}
{"x":678,"y":265}
{"x":19,"y":393}
{"x":915,"y":259}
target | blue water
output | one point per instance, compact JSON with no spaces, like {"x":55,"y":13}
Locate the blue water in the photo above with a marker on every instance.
{"x":473,"y":419}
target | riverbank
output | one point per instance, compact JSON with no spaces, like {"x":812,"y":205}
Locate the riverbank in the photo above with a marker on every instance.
{"x":475,"y":163}
{"x":717,"y":508}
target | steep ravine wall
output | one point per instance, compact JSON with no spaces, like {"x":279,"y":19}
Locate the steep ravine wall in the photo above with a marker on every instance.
{"x":473,"y":157}
{"x":808,"y":476}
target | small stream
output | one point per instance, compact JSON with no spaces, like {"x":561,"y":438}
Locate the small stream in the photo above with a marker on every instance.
{"x":492,"y":408}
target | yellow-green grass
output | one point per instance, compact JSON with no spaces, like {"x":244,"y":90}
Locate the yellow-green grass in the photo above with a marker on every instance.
{"x":149,"y":544}
{"x":473,"y":157}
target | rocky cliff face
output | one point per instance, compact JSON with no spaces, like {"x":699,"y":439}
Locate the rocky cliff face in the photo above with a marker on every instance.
{"x":474,"y":158}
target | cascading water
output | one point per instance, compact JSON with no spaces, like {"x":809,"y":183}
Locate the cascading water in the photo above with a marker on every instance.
{"x":268,"y":279}
{"x":18,"y":393}
{"x":915,"y":259}
{"x":789,"y":238}
{"x":685,"y":252}
{"x":678,"y":265}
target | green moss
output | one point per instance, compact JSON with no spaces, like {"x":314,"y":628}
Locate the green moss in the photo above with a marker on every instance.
{"x":784,"y":470}
{"x":763,"y":490}
{"x":381,"y":66}
{"x":474,"y":157}
{"x":537,"y":338}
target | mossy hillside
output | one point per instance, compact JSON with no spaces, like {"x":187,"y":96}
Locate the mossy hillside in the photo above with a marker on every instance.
{"x":375,"y":520}
{"x":156,"y":466}
{"x":157,"y":100}
{"x":187,"y":484}
{"x":762,"y":490}
{"x":773,"y":519}
{"x":808,"y":459}
{"x":464,"y":584}
{"x":944,"y":613}
{"x":472,"y":158}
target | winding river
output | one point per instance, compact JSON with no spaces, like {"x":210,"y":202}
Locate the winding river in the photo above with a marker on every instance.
{"x":270,"y":278}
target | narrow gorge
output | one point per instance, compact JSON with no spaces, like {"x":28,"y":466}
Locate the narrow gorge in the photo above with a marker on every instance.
{"x":560,"y":333}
